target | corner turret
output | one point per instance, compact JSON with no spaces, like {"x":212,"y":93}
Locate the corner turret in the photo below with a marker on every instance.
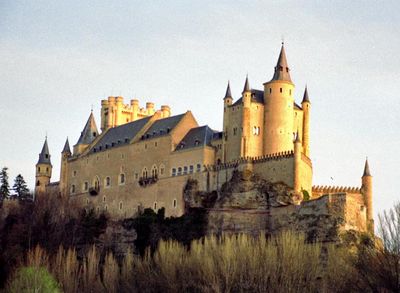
{"x":367,"y":192}
{"x":65,"y":154}
{"x":306,"y":106}
{"x":88,"y":135}
{"x":297,"y":161}
{"x":43,"y":169}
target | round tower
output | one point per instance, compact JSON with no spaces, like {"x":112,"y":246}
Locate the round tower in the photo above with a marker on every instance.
{"x":278,"y":110}
{"x":226,"y":119}
{"x":65,"y":155}
{"x":366,"y":190}
{"x":246,"y":98}
{"x":306,"y":105}
{"x":296,"y":164}
{"x":43,"y":169}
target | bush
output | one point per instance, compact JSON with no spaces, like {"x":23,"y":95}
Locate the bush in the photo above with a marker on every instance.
{"x":32,"y":279}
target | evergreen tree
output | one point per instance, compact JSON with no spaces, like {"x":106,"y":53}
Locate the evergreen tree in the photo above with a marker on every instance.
{"x":20,"y":186}
{"x":4,"y":187}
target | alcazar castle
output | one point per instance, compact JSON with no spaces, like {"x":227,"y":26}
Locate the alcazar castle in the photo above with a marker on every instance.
{"x":145,"y":157}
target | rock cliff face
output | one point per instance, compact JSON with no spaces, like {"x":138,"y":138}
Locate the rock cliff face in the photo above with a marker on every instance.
{"x":250,"y":204}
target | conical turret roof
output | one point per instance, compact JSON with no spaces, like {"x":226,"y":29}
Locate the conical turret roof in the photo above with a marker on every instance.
{"x":66,"y":148}
{"x":228,"y":93}
{"x":305,"y":96}
{"x":246,"y":85}
{"x":44,"y":156}
{"x":366,"y":169}
{"x":89,"y":132}
{"x":282,"y":68}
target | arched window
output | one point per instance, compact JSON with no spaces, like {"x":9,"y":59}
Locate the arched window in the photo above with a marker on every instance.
{"x":122,"y":178}
{"x":173,"y":172}
{"x":96,"y":183}
{"x":38,"y":169}
{"x":162,"y":169}
{"x":179,"y":171}
{"x":38,"y":183}
{"x":85,"y":186}
{"x":144,"y":172}
{"x":198,"y":166}
{"x":73,"y":188}
{"x":174,"y":204}
{"x":155,"y":206}
{"x":185,"y":170}
{"x":191,"y":169}
{"x":120,"y":205}
{"x":107,"y":181}
{"x":154,"y":171}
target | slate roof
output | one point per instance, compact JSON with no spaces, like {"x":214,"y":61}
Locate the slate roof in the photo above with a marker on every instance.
{"x":257,"y":96}
{"x":282,"y":68}
{"x":120,"y":135}
{"x":199,"y":136}
{"x":162,"y":126}
{"x":44,"y":156}
{"x":228,"y":93}
{"x":89,"y":132}
{"x":306,"y":99}
{"x":366,"y":169}
{"x":66,"y":148}
{"x":246,"y":87}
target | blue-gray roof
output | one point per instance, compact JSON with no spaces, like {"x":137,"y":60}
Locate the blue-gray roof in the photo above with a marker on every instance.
{"x":120,"y":135}
{"x":89,"y":132}
{"x":199,"y":136}
{"x":162,"y":126}
{"x":44,"y":156}
{"x":257,"y":96}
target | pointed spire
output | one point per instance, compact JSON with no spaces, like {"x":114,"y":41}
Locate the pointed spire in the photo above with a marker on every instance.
{"x":228,"y":93}
{"x":44,"y":156}
{"x":246,"y":85}
{"x":89,"y":132}
{"x":282,"y":68}
{"x":366,"y":168}
{"x":66,"y":148}
{"x":305,"y":96}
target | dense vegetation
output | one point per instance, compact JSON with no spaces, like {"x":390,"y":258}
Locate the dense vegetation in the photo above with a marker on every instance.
{"x":51,"y":246}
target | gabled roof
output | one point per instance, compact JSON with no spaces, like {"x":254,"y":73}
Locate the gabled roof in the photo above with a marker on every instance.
{"x":120,"y":135}
{"x":199,"y":136}
{"x":89,"y":132}
{"x":44,"y":156}
{"x":282,"y":68}
{"x":162,"y":126}
{"x":66,"y":148}
{"x":257,"y":96}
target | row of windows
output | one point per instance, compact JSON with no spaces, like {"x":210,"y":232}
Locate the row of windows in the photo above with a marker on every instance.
{"x":120,"y":206}
{"x":185,"y":170}
{"x":281,"y":91}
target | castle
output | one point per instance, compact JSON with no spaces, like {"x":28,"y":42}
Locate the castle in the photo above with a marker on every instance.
{"x":144,"y":158}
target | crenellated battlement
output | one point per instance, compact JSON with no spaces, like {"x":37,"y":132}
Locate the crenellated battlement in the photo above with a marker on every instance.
{"x":333,"y":189}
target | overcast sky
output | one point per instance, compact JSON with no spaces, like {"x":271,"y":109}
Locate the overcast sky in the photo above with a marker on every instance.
{"x":57,"y":58}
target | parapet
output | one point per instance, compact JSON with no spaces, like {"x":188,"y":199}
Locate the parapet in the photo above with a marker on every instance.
{"x":335,"y":189}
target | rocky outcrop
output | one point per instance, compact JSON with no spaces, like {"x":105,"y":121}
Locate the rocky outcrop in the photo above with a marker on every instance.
{"x":250,"y":204}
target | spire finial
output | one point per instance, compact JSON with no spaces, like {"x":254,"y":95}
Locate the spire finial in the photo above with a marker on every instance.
{"x":91,"y":108}
{"x":306,"y":99}
{"x":282,"y":68}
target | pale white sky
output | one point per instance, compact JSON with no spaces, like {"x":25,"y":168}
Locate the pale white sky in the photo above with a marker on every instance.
{"x":57,"y":58}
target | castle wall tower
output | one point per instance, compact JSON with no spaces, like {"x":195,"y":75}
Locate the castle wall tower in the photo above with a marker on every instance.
{"x":278,"y":110}
{"x":65,"y":154}
{"x":43,"y":170}
{"x":226,"y":116}
{"x":306,"y":105}
{"x":296,"y":165}
{"x":246,"y":98}
{"x":366,"y":190}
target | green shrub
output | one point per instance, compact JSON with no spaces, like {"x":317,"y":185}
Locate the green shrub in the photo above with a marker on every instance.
{"x":31,"y":279}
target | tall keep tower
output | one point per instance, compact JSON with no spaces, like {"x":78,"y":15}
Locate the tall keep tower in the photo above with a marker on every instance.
{"x":43,"y":169}
{"x":278,"y":110}
{"x":366,"y":190}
